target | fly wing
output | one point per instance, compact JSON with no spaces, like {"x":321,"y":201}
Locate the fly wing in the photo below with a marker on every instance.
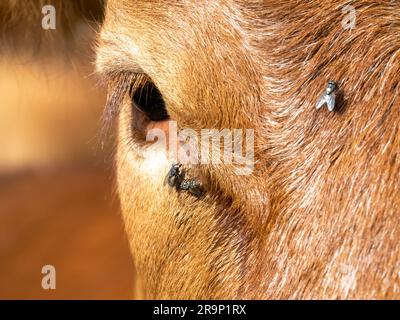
{"x":330,"y":102}
{"x":321,"y":101}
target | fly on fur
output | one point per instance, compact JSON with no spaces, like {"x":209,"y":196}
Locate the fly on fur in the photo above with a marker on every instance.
{"x":192,"y":186}
{"x":175,"y":176}
{"x":328,"y":97}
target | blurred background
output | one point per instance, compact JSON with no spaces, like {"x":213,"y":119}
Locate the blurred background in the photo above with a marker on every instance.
{"x":57,"y":192}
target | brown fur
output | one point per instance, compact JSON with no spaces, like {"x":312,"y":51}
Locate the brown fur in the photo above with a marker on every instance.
{"x":319,"y":217}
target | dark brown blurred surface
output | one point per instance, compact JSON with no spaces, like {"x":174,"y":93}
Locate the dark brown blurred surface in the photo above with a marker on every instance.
{"x":67,"y":218}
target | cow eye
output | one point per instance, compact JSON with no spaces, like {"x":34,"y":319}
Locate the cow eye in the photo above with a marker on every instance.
{"x":148,"y":99}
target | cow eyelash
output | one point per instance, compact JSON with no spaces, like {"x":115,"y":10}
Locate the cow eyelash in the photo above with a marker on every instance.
{"x":144,"y":95}
{"x":118,"y":86}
